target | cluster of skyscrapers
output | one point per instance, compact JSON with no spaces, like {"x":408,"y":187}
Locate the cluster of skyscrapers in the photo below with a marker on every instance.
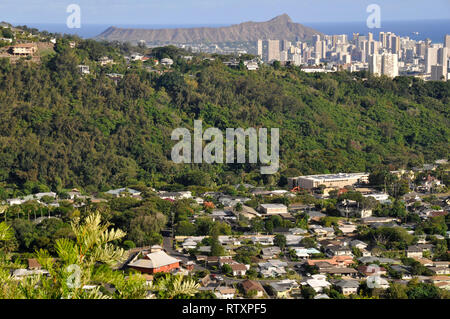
{"x":390,"y":55}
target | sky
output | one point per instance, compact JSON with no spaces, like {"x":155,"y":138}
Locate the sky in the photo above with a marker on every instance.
{"x":207,"y":12}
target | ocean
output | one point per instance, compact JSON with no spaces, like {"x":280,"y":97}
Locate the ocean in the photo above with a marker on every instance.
{"x":417,"y":30}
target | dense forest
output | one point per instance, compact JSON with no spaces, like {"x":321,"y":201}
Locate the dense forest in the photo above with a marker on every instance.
{"x":60,"y":129}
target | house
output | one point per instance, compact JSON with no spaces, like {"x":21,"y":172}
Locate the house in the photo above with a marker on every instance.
{"x":116,"y":77}
{"x":270,"y":252}
{"x":372,"y":220}
{"x":226,"y":260}
{"x":166,"y":62}
{"x":272,"y":268}
{"x":441,"y":264}
{"x":273,"y":209}
{"x":322,"y":232}
{"x":225,"y":292}
{"x":358,"y":244}
{"x":24,"y":49}
{"x":347,"y":228}
{"x":302,"y":252}
{"x":265,"y":240}
{"x":228,"y":240}
{"x":238,"y":269}
{"x":348,"y":287}
{"x":212,"y":260}
{"x":250,"y":285}
{"x":293,"y":240}
{"x":219,"y":214}
{"x":83,"y":69}
{"x":37,"y":196}
{"x":440,"y":270}
{"x":251,"y":66}
{"x":281,"y":289}
{"x":175,"y":195}
{"x":377,"y":282}
{"x":339,"y":271}
{"x":317,"y":282}
{"x":371,"y":260}
{"x":297,"y":231}
{"x":424,"y":261}
{"x":404,"y":271}
{"x":372,"y":270}
{"x":350,"y":208}
{"x":414,"y":251}
{"x":120,"y":192}
{"x":105,"y":61}
{"x":339,"y":250}
{"x":155,"y":262}
{"x":249,"y":212}
{"x":337,"y":261}
{"x":439,"y":279}
{"x":136,"y":57}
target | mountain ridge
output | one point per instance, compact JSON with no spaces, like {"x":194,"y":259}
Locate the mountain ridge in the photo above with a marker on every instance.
{"x":280,"y":27}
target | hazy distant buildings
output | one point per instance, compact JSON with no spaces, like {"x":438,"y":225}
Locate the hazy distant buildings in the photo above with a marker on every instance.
{"x":390,"y":55}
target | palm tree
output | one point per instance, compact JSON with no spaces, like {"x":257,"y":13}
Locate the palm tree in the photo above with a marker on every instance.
{"x":80,"y":269}
{"x":6,"y":233}
{"x":170,"y":286}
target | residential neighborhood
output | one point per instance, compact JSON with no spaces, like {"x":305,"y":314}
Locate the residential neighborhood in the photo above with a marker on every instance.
{"x":298,"y":242}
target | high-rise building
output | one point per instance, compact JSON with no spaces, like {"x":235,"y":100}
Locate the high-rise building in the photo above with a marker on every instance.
{"x":431,"y":58}
{"x":390,"y":65}
{"x":395,"y":44}
{"x":384,"y":64}
{"x":373,"y":47}
{"x":447,"y":41}
{"x":375,"y":64}
{"x":283,"y":56}
{"x":260,"y":48}
{"x":437,"y":73}
{"x":421,"y":49}
{"x":315,"y":38}
{"x":285,"y":45}
{"x":297,"y":59}
{"x":382,"y":39}
{"x":273,"y":50}
{"x":318,"y":49}
{"x":324,"y":50}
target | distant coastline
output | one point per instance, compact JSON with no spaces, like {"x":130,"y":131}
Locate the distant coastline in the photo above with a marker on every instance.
{"x":432,"y":29}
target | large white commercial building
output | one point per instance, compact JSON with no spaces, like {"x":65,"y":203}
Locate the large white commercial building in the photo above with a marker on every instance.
{"x":329,"y":180}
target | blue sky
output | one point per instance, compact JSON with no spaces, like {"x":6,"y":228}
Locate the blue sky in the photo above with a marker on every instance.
{"x":173,"y":12}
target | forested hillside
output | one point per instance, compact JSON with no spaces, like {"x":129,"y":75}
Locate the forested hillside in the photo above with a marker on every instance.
{"x":60,"y":129}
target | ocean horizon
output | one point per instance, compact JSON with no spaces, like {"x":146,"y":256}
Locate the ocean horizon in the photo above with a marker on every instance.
{"x":416,"y":30}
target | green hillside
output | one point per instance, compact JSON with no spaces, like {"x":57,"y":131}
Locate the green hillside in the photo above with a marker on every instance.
{"x":59,"y":129}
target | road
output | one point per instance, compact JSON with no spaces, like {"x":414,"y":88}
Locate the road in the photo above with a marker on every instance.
{"x":168,"y":247}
